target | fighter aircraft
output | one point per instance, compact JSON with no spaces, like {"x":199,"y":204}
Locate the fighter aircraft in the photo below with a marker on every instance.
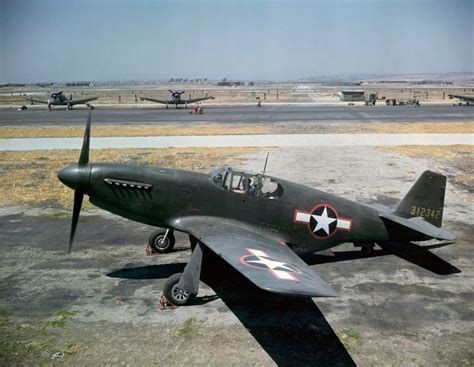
{"x":59,"y":99}
{"x":176,"y":99}
{"x":257,"y":223}
{"x":467,"y":99}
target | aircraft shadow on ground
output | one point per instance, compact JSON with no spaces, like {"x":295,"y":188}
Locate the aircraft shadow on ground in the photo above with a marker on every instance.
{"x":148,"y":272}
{"x":292,"y":331}
{"x":415,"y":254}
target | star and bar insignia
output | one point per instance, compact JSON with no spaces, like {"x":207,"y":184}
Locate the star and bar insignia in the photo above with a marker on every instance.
{"x":258,"y":259}
{"x":323,"y":221}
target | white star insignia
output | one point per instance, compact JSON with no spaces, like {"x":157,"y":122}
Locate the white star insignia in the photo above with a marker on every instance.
{"x":271,"y":264}
{"x":323,"y":221}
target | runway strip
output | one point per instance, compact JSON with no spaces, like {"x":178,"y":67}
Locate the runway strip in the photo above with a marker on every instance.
{"x":215,"y":141}
{"x":240,"y":114}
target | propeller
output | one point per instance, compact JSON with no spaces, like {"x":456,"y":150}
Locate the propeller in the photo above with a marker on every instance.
{"x":77,"y":178}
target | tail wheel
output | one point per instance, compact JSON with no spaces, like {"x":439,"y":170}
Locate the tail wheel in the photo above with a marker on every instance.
{"x":367,"y":250}
{"x":177,"y":296}
{"x":162,"y":241}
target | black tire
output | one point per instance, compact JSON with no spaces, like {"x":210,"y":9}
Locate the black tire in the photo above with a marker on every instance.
{"x":177,"y":296}
{"x":367,"y":250}
{"x":158,"y":244}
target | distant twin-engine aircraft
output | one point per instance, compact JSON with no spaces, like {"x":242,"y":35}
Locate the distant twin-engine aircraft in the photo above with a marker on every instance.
{"x":176,"y":99}
{"x":59,"y":99}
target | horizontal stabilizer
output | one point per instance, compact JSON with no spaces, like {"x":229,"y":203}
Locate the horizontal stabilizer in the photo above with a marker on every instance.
{"x":418,"y":224}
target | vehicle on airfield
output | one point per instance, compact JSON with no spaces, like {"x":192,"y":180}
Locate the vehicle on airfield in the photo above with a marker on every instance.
{"x":176,"y":99}
{"x":467,"y":99}
{"x":59,"y":99}
{"x":403,"y":102}
{"x":257,"y":223}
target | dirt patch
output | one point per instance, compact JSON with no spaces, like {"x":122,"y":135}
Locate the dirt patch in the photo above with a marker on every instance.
{"x":31,"y":177}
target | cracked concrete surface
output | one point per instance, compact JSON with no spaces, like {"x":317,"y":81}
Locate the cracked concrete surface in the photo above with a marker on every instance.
{"x":391,"y":310}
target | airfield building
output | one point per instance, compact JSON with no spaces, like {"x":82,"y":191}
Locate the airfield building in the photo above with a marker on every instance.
{"x":352,"y":95}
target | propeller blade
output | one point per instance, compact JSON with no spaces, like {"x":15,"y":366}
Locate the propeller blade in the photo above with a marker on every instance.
{"x":84,"y":157}
{"x":78,"y":196}
{"x":170,"y":91}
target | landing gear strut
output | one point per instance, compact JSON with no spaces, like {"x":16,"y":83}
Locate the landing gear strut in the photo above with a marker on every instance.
{"x":181,"y":289}
{"x":193,"y":241}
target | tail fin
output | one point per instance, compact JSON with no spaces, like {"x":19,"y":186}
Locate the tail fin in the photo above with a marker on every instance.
{"x":425,"y":199}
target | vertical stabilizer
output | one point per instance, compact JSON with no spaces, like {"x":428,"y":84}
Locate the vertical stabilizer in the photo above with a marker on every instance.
{"x":425,"y":199}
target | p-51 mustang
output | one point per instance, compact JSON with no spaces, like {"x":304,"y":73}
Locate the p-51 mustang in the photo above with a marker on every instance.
{"x":257,"y":223}
{"x":59,"y":99}
{"x":176,"y":99}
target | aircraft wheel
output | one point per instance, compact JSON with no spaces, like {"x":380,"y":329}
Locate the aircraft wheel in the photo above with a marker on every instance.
{"x":175,"y":295}
{"x":366,"y":251}
{"x":161,"y":242}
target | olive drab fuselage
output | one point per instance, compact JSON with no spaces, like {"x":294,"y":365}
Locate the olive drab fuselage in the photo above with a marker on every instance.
{"x":156,"y":196}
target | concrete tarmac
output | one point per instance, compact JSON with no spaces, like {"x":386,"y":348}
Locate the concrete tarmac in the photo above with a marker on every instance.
{"x":220,"y":141}
{"x":241,"y":114}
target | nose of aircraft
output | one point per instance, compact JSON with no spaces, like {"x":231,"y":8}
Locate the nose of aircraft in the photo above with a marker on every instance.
{"x":75,"y":176}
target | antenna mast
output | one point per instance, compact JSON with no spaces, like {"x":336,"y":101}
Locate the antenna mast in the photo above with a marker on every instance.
{"x":266,"y":160}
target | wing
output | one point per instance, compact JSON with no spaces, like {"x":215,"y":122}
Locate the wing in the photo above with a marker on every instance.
{"x":198,"y":99}
{"x":462,"y":98}
{"x":36,"y":100}
{"x":268,"y":264}
{"x":82,"y":101}
{"x":156,"y":100}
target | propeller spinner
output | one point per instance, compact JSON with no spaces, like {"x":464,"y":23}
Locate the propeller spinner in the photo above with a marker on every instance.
{"x":77,"y":178}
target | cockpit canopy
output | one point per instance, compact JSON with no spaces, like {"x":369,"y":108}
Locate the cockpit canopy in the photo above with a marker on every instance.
{"x":257,"y":185}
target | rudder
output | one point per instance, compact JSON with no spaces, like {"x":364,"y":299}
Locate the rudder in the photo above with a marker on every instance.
{"x":425,"y":199}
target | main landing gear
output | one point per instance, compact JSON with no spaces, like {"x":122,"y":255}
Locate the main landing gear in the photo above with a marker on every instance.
{"x":176,"y":295}
{"x":181,"y":288}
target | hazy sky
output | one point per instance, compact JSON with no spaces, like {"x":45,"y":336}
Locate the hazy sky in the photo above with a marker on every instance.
{"x":57,"y":40}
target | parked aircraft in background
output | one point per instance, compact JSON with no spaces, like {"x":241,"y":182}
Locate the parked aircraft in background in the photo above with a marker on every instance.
{"x":467,"y":99}
{"x":59,"y":99}
{"x":176,"y":99}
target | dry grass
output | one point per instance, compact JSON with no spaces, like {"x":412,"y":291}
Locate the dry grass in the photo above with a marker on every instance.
{"x":30,"y":178}
{"x":423,"y":128}
{"x":134,"y":130}
{"x":236,"y":129}
{"x":377,"y":128}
